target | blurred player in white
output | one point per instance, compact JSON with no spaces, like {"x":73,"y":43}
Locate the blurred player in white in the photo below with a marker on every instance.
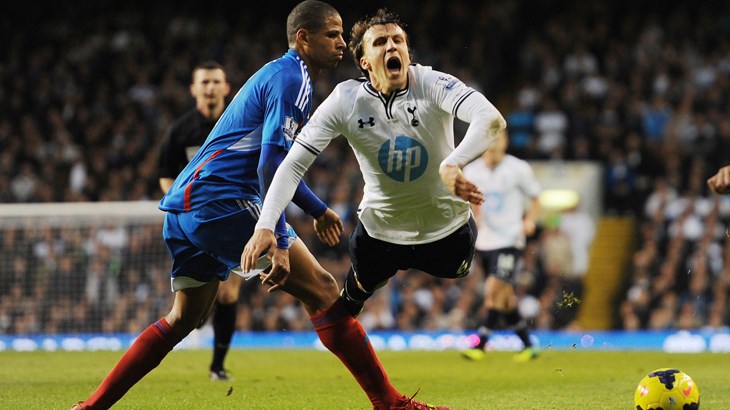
{"x":399,"y":120}
{"x":507,"y":215}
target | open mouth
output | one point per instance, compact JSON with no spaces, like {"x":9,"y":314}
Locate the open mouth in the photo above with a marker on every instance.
{"x":393,"y":64}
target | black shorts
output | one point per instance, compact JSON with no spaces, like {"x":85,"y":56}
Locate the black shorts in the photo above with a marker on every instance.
{"x":374,"y":260}
{"x":502,"y":263}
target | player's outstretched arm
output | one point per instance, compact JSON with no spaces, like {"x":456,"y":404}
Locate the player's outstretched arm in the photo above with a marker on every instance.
{"x":454,"y":180}
{"x":720,"y":182}
{"x":329,"y":227}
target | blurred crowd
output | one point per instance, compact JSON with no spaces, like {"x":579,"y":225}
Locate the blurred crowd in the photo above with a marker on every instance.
{"x":642,"y":88}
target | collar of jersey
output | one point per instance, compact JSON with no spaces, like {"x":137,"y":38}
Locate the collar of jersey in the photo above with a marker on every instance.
{"x":371,"y":90}
{"x":293,"y":54}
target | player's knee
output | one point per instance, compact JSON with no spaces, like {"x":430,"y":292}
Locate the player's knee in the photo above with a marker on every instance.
{"x":229,"y":290}
{"x":181,"y":325}
{"x":327,"y":289}
{"x":227,"y":296}
{"x":357,"y":291}
{"x":329,"y":284}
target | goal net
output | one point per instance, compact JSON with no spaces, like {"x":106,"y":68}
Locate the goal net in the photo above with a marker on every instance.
{"x":65,"y":267}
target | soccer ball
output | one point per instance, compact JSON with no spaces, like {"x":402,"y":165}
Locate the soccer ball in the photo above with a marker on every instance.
{"x":667,"y":389}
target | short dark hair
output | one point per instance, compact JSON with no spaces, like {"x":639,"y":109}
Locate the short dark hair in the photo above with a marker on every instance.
{"x":206,"y":65}
{"x":382,"y":16}
{"x":309,"y":15}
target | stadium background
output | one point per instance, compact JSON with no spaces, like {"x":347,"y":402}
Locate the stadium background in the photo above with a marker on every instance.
{"x":640,"y":89}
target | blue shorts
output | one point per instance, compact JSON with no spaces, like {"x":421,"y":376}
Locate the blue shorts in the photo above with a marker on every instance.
{"x":208,"y":242}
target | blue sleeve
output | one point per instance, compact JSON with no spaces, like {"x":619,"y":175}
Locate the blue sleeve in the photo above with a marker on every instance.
{"x":271,"y":158}
{"x":284,"y":111}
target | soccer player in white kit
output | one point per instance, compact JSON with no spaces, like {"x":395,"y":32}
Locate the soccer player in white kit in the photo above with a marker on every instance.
{"x":504,"y":219}
{"x":415,"y":211}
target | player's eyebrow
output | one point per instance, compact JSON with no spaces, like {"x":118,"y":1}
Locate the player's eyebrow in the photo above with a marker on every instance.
{"x":381,"y":38}
{"x":333,"y":33}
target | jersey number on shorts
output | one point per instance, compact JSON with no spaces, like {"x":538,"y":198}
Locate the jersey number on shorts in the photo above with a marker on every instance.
{"x":505,"y":264}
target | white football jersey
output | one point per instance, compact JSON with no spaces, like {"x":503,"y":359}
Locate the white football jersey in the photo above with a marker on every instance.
{"x":399,"y":143}
{"x":508,"y":188}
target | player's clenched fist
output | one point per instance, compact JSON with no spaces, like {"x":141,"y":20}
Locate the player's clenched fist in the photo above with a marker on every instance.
{"x":720,"y":182}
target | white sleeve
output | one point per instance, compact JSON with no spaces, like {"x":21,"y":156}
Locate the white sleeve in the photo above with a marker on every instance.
{"x":485,"y":124}
{"x":529,"y":183}
{"x":469,"y":105}
{"x":285,"y":182}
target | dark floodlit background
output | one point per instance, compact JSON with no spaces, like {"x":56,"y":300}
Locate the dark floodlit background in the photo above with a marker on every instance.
{"x":622,"y":107}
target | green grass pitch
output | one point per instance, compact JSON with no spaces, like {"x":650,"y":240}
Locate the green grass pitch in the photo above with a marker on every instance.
{"x":308,"y":379}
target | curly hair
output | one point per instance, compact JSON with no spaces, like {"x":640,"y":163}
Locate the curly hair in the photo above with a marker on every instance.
{"x":382,"y":16}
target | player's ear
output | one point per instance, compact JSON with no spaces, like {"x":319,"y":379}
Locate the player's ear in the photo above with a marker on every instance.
{"x":192,"y":89}
{"x":302,"y":36}
{"x":364,"y":64}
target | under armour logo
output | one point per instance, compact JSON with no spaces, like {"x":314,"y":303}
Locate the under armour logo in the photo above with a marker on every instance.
{"x":370,"y":122}
{"x":414,"y":120}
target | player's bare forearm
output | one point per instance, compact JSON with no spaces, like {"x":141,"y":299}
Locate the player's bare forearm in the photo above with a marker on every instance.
{"x":720,"y":182}
{"x":329,"y":227}
{"x":454,"y":180}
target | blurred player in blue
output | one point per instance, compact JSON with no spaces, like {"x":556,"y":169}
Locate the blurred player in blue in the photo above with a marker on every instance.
{"x":214,"y":203}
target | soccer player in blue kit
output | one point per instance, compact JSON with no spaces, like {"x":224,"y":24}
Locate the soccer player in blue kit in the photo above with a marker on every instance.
{"x":214,"y":204}
{"x":182,"y":140}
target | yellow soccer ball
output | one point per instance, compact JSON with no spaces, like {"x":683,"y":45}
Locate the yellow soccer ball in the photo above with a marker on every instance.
{"x":667,"y":389}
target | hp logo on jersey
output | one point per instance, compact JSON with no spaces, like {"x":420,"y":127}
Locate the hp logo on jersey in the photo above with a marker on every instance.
{"x":403,"y":158}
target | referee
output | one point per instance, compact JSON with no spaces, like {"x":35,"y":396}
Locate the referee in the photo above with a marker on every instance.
{"x":182,"y":140}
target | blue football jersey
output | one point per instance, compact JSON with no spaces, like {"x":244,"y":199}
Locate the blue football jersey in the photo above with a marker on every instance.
{"x":270,"y":108}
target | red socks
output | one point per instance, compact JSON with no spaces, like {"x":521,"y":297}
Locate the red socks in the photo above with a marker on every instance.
{"x":337,"y":329}
{"x":144,"y":355}
{"x":345,"y":337}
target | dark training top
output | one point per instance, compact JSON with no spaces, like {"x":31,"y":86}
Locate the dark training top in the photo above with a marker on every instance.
{"x":182,"y":140}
